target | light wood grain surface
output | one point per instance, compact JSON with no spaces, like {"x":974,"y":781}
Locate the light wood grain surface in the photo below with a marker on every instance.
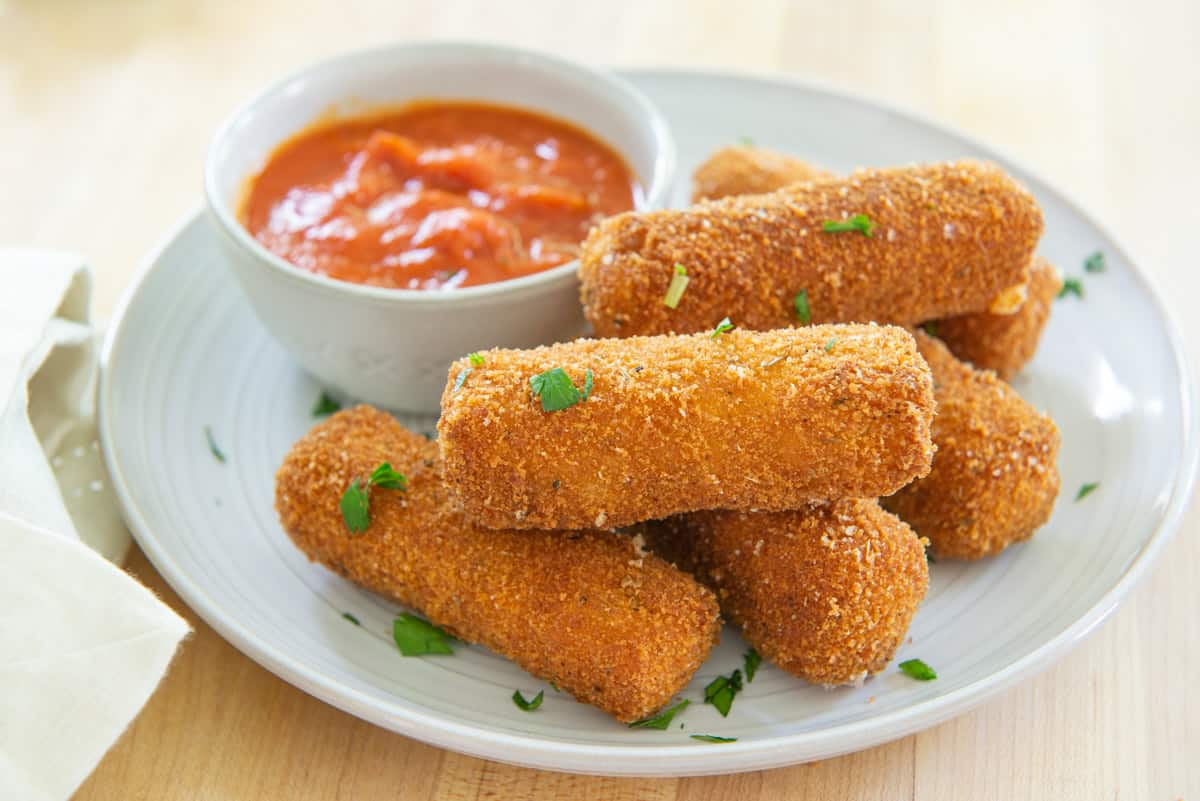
{"x":105,"y":112}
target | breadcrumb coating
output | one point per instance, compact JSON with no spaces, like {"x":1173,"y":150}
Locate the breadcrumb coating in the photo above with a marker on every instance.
{"x":589,"y":610}
{"x":749,"y":171}
{"x":994,"y":479}
{"x":1005,"y":343}
{"x":948,"y":239}
{"x":745,"y":420}
{"x":825,"y":592}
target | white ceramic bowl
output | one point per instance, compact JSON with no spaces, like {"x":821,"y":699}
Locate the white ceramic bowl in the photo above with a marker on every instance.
{"x":392,"y":347}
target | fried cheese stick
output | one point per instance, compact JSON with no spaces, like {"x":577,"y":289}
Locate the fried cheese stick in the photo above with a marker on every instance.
{"x":749,"y":171}
{"x":611,"y":625}
{"x":994,"y":479}
{"x":826,"y":592}
{"x":1005,"y":342}
{"x":930,"y":241}
{"x":738,"y":420}
{"x":1001,"y":342}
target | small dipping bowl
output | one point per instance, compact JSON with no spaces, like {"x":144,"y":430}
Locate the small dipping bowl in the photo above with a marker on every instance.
{"x":392,"y":347}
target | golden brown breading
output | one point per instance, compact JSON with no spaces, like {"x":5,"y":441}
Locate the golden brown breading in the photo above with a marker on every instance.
{"x":994,"y":479}
{"x":1001,"y":342}
{"x":1005,"y":342}
{"x":825,"y":592}
{"x":611,"y":625}
{"x":676,"y":424}
{"x":948,"y":239}
{"x":749,"y":171}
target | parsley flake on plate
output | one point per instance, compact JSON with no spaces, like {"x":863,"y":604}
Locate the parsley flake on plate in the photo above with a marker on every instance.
{"x":859,"y":222}
{"x":356,"y":500}
{"x":527,"y":706}
{"x":1094,"y":263}
{"x":679,"y":282}
{"x":417,"y":637}
{"x":751,"y":661}
{"x":351,"y":618}
{"x":721,"y":691}
{"x":722,"y":327}
{"x":217,"y":453}
{"x":1071,"y":286}
{"x":1086,"y":490}
{"x":557,"y":391}
{"x":662,"y":720}
{"x":800,"y":302}
{"x":916,"y":669}
{"x":712,"y":738}
{"x":745,"y":141}
{"x":325,"y":406}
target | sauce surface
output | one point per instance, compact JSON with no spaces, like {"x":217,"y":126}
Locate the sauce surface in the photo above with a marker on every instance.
{"x":436,"y":195}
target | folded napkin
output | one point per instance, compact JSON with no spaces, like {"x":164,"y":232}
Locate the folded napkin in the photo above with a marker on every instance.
{"x":82,"y":645}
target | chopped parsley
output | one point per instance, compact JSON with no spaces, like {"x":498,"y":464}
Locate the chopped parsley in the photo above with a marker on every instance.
{"x":356,"y":501}
{"x":476,"y":359}
{"x":1086,"y":490}
{"x":462,"y":378}
{"x":679,"y":282}
{"x":527,"y":706}
{"x":325,"y":406}
{"x":745,"y":141}
{"x":557,"y":391}
{"x":803,"y":314}
{"x":916,"y":669}
{"x":829,"y":345}
{"x":662,"y":720}
{"x":1071,"y":286}
{"x":1094,"y":263}
{"x":351,"y":618}
{"x":751,"y":661}
{"x":712,"y":738}
{"x":721,"y":691}
{"x":930,"y":328}
{"x":417,"y":637}
{"x":217,"y":453}
{"x":722,"y":327}
{"x":859,"y":222}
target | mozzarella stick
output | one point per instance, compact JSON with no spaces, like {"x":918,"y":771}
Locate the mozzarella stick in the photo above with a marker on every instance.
{"x":589,"y":611}
{"x":994,"y":479}
{"x":737,"y":420}
{"x":1005,"y":342}
{"x":900,"y":246}
{"x":749,"y":171}
{"x":825,"y":592}
{"x":1001,"y":342}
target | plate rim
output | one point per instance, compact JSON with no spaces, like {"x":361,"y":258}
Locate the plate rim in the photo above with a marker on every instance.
{"x":687,"y":759}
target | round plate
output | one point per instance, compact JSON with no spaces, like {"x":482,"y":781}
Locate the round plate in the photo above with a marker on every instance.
{"x":185,"y":354}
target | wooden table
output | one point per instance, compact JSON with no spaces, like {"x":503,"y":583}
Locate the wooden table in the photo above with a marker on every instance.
{"x":105,"y":112}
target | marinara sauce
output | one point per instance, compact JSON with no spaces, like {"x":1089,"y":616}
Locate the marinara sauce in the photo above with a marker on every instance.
{"x":436,"y":195}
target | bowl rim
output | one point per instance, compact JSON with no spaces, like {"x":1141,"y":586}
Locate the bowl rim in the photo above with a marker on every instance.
{"x":657,"y":186}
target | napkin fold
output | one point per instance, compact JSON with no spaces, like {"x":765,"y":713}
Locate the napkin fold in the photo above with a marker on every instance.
{"x":82,"y":645}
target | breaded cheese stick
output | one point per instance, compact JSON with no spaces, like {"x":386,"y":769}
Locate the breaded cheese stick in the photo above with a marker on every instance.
{"x":1005,"y":342}
{"x":994,"y":479}
{"x":740,"y":420}
{"x":749,"y":171}
{"x":1001,"y":342}
{"x":945,"y":239}
{"x":826,"y":592}
{"x":611,"y":625}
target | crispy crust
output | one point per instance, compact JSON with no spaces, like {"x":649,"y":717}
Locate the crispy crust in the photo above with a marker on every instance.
{"x":747,"y":420}
{"x":994,"y":479}
{"x":825,"y":592}
{"x":950,"y":239}
{"x":749,"y":171}
{"x":1005,"y":342}
{"x":615,"y":627}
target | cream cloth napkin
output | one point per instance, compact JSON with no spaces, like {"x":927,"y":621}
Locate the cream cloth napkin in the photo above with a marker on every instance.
{"x":82,"y":645}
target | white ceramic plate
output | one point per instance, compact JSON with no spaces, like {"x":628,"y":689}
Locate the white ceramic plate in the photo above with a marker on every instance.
{"x":185,"y":352}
